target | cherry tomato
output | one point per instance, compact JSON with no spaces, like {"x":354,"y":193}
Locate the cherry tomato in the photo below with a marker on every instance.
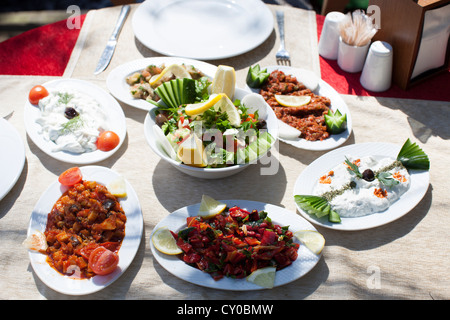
{"x":103,"y":261}
{"x":36,"y":94}
{"x":107,"y":140}
{"x":70,"y":176}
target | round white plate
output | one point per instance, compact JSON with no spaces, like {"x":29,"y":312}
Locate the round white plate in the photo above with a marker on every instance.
{"x":120,"y":89}
{"x":202,"y":29}
{"x":133,"y":233}
{"x":177,"y":220}
{"x":323,"y":89}
{"x":308,"y":178}
{"x":12,"y":159}
{"x":116,"y":121}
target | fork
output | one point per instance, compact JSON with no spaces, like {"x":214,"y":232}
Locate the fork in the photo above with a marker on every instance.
{"x":282,"y":54}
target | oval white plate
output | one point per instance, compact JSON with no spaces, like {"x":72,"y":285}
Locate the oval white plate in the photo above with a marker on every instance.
{"x":12,"y":159}
{"x":127,"y":251}
{"x":206,"y":173}
{"x":308,"y":178}
{"x":177,"y":220}
{"x":120,"y":89}
{"x":116,"y":121}
{"x":202,"y":29}
{"x":323,"y":89}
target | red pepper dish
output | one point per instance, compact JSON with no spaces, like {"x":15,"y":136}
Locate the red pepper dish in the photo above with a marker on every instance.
{"x":235,"y":243}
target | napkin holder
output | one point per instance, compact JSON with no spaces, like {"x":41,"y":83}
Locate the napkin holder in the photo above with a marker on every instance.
{"x":402,"y":24}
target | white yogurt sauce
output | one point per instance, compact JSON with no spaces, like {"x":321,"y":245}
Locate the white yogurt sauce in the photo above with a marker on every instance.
{"x":362,"y":199}
{"x":77,"y":135}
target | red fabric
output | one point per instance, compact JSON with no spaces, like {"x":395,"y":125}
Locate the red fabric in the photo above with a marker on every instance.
{"x":436,"y":88}
{"x":43,"y":51}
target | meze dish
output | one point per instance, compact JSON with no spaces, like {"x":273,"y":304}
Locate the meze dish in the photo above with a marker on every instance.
{"x":362,"y":184}
{"x":210,"y":124}
{"x":74,"y":121}
{"x":311,"y":114}
{"x":131,"y":82}
{"x":236,"y":245}
{"x":81,"y":243}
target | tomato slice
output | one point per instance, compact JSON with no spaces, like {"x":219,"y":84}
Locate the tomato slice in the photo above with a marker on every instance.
{"x":103,"y":261}
{"x":107,"y":140}
{"x":36,"y":94}
{"x":70,"y":177}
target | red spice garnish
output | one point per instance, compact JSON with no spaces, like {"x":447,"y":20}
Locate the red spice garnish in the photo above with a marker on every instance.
{"x":380,"y":193}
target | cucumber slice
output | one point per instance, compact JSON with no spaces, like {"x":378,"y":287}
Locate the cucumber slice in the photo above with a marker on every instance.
{"x":318,"y":206}
{"x":413,"y":157}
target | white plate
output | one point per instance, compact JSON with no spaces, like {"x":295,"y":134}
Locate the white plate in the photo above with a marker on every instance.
{"x":116,"y":121}
{"x":208,"y":173}
{"x":177,"y":220}
{"x":127,"y":251}
{"x":202,"y":29}
{"x":12,"y":159}
{"x":308,"y":178}
{"x":120,"y":89}
{"x":323,"y":89}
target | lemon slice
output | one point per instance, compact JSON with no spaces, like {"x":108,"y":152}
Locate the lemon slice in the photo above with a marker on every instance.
{"x":198,"y":108}
{"x":224,"y":81}
{"x":192,"y":152}
{"x":117,"y":187}
{"x":313,"y":240}
{"x":174,"y":69}
{"x":264,"y":277}
{"x":210,"y":207}
{"x":164,"y":242}
{"x":36,"y":241}
{"x":292,"y":101}
{"x":225,"y":105}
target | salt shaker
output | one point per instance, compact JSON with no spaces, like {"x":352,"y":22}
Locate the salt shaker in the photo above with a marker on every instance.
{"x":377,"y":72}
{"x":329,"y":39}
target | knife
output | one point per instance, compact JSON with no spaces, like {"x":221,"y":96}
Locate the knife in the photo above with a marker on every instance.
{"x":111,"y":45}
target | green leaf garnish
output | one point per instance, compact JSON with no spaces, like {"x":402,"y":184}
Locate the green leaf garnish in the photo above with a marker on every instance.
{"x":387,"y":179}
{"x":413,"y":157}
{"x":353,"y":168}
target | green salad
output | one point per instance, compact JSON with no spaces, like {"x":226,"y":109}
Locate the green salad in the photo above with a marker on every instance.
{"x":207,"y":130}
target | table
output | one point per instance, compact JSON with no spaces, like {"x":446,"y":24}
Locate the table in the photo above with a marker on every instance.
{"x":409,"y":257}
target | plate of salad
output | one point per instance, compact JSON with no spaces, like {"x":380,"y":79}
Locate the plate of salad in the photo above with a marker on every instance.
{"x":311,"y":114}
{"x":257,"y":236}
{"x":131,"y":82}
{"x":209,"y":135}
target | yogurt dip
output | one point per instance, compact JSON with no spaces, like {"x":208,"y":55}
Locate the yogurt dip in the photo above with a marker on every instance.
{"x":72,"y":120}
{"x":353,"y":196}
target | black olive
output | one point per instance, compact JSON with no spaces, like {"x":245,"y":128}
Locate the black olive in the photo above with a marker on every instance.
{"x":70,"y":113}
{"x":160,"y":119}
{"x":352,"y":184}
{"x":108,"y":204}
{"x":261,"y":124}
{"x":368,"y":175}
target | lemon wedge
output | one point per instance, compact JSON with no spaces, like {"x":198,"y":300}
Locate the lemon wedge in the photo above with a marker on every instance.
{"x":264,"y":277}
{"x":210,"y":207}
{"x":117,"y":187}
{"x":313,"y":240}
{"x":198,"y":108}
{"x":224,"y":81}
{"x":292,"y":101}
{"x":225,"y":105}
{"x":164,"y":242}
{"x":172,"y":70}
{"x":36,"y":241}
{"x":192,"y":152}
